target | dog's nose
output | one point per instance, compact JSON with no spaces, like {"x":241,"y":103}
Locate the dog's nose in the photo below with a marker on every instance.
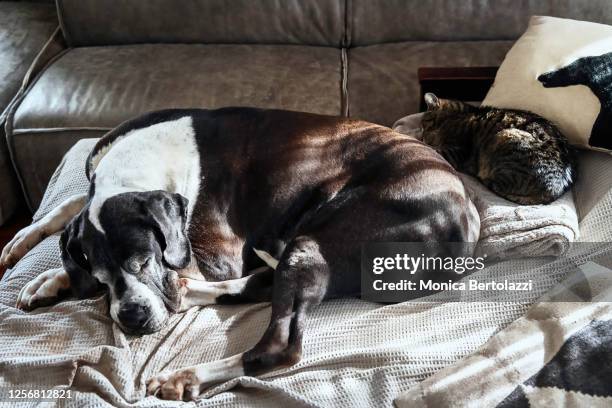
{"x":134,"y":315}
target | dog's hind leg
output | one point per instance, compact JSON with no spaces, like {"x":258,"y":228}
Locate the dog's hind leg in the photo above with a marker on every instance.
{"x":54,"y":222}
{"x":300,"y":281}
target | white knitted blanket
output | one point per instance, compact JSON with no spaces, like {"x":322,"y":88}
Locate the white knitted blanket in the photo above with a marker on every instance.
{"x":510,"y":230}
{"x":356,"y":354}
{"x":553,"y":356}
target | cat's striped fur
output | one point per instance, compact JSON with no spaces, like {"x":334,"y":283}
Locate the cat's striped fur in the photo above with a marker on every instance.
{"x":517,"y":154}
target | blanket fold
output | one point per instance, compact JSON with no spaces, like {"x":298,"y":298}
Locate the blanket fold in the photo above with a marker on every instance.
{"x":510,"y":230}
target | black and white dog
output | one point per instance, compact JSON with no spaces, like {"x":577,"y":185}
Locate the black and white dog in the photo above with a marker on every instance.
{"x":197,"y":207}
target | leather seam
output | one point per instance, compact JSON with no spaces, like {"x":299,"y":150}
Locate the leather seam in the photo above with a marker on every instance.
{"x":344,"y":102}
{"x":346,"y":43}
{"x":22,"y":131}
{"x":348,"y":23}
{"x":28,"y":75}
{"x":415,"y":41}
{"x":62,"y":24}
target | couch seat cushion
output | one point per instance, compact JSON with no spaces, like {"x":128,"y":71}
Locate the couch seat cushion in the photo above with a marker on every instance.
{"x":89,"y":90}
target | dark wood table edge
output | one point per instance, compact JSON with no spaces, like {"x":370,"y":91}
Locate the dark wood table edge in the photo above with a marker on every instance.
{"x":462,"y":83}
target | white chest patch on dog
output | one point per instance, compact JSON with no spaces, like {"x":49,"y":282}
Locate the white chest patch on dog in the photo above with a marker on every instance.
{"x":163,"y":156}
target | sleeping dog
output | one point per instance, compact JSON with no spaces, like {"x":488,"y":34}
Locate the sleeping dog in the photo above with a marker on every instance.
{"x":197,"y":207}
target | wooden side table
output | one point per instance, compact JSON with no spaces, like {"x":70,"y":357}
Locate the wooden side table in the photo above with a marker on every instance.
{"x":469,"y":84}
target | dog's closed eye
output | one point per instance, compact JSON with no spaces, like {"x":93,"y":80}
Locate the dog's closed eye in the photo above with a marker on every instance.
{"x":138,"y":264}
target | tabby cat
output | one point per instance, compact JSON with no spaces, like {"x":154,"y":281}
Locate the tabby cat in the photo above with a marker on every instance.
{"x":516,"y":154}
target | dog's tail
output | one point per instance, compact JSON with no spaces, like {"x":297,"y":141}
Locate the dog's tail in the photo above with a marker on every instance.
{"x":267,"y":258}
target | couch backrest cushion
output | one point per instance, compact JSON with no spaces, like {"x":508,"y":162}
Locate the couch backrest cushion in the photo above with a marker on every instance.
{"x":114,"y":22}
{"x":311,"y":22}
{"x":381,"y":21}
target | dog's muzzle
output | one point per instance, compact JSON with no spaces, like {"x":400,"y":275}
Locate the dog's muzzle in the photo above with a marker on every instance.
{"x":171,"y":291}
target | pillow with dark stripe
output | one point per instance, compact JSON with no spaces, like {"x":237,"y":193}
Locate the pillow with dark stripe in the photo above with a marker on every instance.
{"x":562,"y":70}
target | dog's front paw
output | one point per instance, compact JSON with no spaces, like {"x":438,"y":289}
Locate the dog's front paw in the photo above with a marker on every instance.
{"x":21,"y":243}
{"x":43,"y":290}
{"x":180,"y":385}
{"x":184,"y":299}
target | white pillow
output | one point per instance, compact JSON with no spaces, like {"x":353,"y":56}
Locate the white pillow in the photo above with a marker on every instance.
{"x":548,"y":45}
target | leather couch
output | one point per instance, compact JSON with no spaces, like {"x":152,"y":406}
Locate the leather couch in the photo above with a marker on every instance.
{"x":24,"y":28}
{"x":340,"y":57}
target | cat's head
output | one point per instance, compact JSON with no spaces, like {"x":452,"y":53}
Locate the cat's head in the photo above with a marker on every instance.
{"x":440,"y":124}
{"x":435,"y":120}
{"x":435,"y":104}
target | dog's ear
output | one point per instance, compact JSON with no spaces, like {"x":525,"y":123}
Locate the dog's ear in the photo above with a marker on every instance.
{"x":82,"y":283}
{"x":169,"y":212}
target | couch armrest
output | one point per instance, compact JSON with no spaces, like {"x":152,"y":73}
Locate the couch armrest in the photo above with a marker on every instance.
{"x":30,"y":39}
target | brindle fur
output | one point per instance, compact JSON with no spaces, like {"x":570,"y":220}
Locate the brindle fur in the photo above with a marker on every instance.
{"x":517,"y":154}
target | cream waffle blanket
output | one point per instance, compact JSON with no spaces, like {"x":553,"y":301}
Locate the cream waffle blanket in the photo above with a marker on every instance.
{"x":356,"y":354}
{"x":510,"y":230}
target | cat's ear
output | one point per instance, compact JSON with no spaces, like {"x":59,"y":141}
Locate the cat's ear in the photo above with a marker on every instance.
{"x":432,"y":101}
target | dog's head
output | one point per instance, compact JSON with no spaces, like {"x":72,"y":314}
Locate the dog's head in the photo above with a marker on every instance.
{"x":132,"y":243}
